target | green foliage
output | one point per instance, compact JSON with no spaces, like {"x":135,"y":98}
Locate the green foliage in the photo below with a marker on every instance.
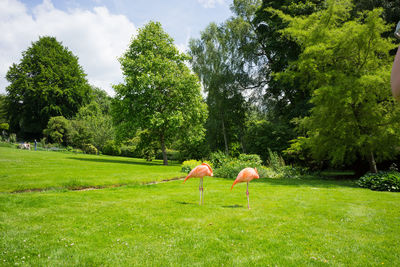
{"x":13,"y":138}
{"x":96,"y":122}
{"x":90,"y":149}
{"x":111,"y":148}
{"x":353,"y":114}
{"x":188,"y":165}
{"x":218,"y":159}
{"x":160,"y":94}
{"x":129,"y":151}
{"x":261,"y":134}
{"x":171,"y":154}
{"x":80,"y":134}
{"x":103,"y":100}
{"x":48,"y":82}
{"x":381,"y":181}
{"x":4,"y":127}
{"x":275,"y":161}
{"x":229,"y":167}
{"x":3,"y":109}
{"x":192,"y":149}
{"x":58,"y":130}
{"x":216,"y":59}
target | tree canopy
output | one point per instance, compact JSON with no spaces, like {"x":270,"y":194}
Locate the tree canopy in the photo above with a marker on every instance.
{"x":160,"y":95}
{"x":47,"y":82}
{"x":346,"y":65}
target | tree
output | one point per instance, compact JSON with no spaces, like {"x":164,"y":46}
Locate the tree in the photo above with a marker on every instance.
{"x":47,"y":82}
{"x":346,"y":64}
{"x":95,"y":124}
{"x":160,"y":94}
{"x":220,"y":58}
{"x":58,"y":130}
{"x":3,"y":109}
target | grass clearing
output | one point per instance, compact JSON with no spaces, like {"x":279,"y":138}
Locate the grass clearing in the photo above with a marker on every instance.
{"x":292,"y":222}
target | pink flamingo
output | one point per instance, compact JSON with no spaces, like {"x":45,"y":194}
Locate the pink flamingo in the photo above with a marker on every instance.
{"x":246,"y":175}
{"x":199,"y":172}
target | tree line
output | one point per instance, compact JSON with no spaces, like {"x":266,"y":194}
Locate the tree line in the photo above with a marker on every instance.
{"x":308,"y":79}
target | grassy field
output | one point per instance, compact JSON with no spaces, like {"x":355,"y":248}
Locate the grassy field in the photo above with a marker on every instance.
{"x":22,"y":170}
{"x":292,"y":222}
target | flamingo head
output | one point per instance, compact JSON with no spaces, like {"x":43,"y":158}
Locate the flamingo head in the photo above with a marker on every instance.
{"x":257,"y":175}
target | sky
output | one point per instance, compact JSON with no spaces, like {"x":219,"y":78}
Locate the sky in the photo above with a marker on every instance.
{"x":99,"y":31}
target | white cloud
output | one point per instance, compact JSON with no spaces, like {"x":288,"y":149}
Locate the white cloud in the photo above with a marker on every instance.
{"x":96,"y":36}
{"x":210,"y":3}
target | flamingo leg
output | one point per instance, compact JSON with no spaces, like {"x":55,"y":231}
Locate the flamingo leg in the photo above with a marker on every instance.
{"x":247,"y":194}
{"x":202,"y":191}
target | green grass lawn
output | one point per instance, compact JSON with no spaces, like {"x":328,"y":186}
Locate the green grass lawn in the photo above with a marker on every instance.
{"x":292,"y":222}
{"x":21,"y":170}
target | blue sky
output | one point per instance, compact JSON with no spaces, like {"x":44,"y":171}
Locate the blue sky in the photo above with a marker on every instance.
{"x":98,"y":31}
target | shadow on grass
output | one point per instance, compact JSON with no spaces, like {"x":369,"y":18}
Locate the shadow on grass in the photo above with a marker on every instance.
{"x":102,"y":160}
{"x":233,"y":206}
{"x":185,"y":203}
{"x":311,"y":181}
{"x":320,"y":182}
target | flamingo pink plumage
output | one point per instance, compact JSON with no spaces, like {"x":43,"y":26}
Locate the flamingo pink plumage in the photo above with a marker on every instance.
{"x":246,"y":175}
{"x":199,"y":172}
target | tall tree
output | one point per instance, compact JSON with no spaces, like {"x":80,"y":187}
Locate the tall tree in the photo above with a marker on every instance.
{"x":223,"y":58}
{"x":160,"y":94}
{"x":3,"y":109}
{"x":346,"y":64}
{"x":47,"y":82}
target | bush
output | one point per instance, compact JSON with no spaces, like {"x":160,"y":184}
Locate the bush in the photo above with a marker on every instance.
{"x":230,"y":167}
{"x":129,"y":151}
{"x":381,"y":181}
{"x":275,"y":161}
{"x":111,"y":148}
{"x":188,"y":165}
{"x":58,"y":129}
{"x":13,"y":138}
{"x":89,"y":149}
{"x":219,"y":158}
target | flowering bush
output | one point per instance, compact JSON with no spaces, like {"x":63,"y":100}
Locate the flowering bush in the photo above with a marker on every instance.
{"x":188,"y":165}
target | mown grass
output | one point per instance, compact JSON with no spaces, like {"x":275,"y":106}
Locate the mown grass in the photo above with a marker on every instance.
{"x":312,"y":222}
{"x":24,"y":170}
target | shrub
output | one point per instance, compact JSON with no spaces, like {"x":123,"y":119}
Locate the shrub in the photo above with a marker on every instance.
{"x":219,"y":158}
{"x":13,"y":138}
{"x":381,"y":181}
{"x":89,"y":149}
{"x":188,"y":165}
{"x":230,"y":167}
{"x":252,"y":158}
{"x":275,"y":161}
{"x":58,"y":129}
{"x":111,"y":148}
{"x":129,"y":151}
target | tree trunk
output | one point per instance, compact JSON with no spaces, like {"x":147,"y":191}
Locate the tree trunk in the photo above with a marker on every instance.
{"x":372,"y":163}
{"x":225,"y":139}
{"x":164,"y":151}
